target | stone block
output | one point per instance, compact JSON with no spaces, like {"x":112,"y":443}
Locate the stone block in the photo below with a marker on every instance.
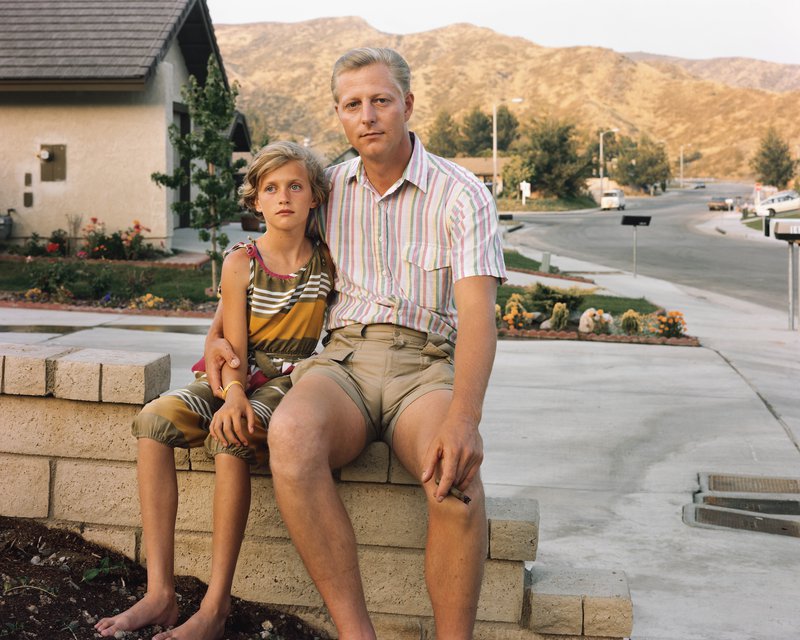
{"x":371,"y":466}
{"x":96,"y":493}
{"x":382,"y":515}
{"x":26,"y":486}
{"x":398,"y":474}
{"x":28,"y":368}
{"x":513,"y":528}
{"x":608,"y":609}
{"x":553,"y":603}
{"x":77,"y":375}
{"x":199,"y":460}
{"x":134,"y":378}
{"x":115,"y":538}
{"x":564,"y":601}
{"x":270,"y":571}
{"x":195,"y":500}
{"x":386,"y":515}
{"x":67,"y":428}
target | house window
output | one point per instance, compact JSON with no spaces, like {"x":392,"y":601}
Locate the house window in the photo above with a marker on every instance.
{"x":53,"y":160}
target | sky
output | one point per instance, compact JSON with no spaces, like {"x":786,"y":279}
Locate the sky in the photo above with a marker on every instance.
{"x":698,"y":29}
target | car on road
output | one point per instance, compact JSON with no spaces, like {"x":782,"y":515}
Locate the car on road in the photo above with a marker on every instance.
{"x":612,"y":199}
{"x":781,"y":202}
{"x":700,"y":185}
{"x":718,"y":204}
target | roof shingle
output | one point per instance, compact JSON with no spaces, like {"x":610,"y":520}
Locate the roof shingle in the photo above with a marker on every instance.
{"x":96,"y":41}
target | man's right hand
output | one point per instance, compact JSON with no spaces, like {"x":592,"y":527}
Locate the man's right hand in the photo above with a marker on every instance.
{"x":218,"y":352}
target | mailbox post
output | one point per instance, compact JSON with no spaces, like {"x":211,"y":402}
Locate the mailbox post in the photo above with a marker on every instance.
{"x":789,"y":230}
{"x":635,"y":222}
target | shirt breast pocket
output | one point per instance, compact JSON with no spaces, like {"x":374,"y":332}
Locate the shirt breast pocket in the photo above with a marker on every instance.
{"x":426,"y":277}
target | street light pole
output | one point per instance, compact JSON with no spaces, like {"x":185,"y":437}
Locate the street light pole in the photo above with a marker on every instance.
{"x":602,"y":178}
{"x":494,"y":144}
{"x":682,"y":146}
{"x":494,"y":150}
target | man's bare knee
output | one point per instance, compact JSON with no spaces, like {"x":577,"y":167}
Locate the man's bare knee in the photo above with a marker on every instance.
{"x":295,"y":447}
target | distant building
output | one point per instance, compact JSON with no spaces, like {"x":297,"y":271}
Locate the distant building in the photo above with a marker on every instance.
{"x":483,"y":169}
{"x":87,"y":92}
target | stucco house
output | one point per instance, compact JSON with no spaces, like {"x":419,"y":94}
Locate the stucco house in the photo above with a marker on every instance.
{"x":88,"y":89}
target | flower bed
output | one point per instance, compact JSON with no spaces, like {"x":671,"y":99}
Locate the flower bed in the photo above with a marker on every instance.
{"x":546,"y":334}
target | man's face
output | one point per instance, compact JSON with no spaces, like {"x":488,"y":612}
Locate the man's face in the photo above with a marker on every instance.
{"x":373,"y":111}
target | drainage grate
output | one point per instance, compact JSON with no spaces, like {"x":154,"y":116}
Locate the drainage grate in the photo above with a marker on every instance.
{"x":734,"y":519}
{"x":748,"y":503}
{"x":757,"y":505}
{"x":752,"y":484}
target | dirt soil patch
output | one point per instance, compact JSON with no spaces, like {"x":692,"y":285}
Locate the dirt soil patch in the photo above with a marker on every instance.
{"x":55,"y":585}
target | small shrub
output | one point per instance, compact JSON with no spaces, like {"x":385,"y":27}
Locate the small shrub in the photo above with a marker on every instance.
{"x":147,"y":301}
{"x":516,"y":316}
{"x":543,"y":298}
{"x":558,"y":321}
{"x":631,"y":323}
{"x":137,"y":282}
{"x":50,"y":276}
{"x":603,"y":322}
{"x":671,"y":325}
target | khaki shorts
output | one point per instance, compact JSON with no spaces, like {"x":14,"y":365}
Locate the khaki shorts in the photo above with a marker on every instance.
{"x":383,"y":368}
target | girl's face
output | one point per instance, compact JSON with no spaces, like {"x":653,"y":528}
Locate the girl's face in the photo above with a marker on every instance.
{"x":285,"y":198}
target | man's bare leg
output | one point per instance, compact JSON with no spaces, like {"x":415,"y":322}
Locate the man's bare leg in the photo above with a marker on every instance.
{"x":315,"y":428}
{"x":457,"y":534}
{"x":231,"y":508}
{"x":158,"y":498}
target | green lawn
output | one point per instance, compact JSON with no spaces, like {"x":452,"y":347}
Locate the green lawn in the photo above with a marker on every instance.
{"x":546,"y":204}
{"x":515,"y":260}
{"x":615,"y":305}
{"x":89,"y":280}
{"x":758,"y":223}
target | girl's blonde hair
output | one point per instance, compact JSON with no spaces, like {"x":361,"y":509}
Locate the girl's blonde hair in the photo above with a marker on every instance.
{"x":273,"y":157}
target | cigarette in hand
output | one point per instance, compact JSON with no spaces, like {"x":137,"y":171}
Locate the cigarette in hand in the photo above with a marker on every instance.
{"x":460,"y":495}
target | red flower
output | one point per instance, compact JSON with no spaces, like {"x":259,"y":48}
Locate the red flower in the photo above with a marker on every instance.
{"x":53,"y":247}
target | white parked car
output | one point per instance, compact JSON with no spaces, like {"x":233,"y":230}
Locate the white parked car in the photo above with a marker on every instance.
{"x":781,"y":202}
{"x":612,"y":199}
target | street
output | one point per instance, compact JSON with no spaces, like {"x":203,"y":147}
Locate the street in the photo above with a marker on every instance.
{"x":672,"y":247}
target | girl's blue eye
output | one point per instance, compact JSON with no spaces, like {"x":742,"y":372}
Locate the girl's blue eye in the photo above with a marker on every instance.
{"x":296,"y":187}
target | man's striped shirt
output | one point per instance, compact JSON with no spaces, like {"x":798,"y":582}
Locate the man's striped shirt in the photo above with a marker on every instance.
{"x":398,"y":255}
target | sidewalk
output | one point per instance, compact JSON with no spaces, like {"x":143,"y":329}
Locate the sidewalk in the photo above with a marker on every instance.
{"x":610,"y":439}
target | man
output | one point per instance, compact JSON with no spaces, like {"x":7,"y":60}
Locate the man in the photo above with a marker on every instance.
{"x":414,"y":238}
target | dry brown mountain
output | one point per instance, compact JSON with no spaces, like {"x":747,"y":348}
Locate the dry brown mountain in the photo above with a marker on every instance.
{"x":736,"y":72}
{"x":284,"y":71}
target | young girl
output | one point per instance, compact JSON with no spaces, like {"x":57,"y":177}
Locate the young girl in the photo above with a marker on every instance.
{"x":274,"y":295}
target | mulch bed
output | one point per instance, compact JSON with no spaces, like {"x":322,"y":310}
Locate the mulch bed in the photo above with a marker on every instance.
{"x":44,"y":594}
{"x":539,"y":334}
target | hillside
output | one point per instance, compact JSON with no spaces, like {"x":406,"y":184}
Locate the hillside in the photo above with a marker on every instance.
{"x":284,"y":71}
{"x":736,"y":72}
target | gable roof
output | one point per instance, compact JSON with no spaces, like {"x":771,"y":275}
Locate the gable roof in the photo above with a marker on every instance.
{"x":99,"y":44}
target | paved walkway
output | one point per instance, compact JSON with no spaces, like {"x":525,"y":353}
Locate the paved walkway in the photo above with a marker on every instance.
{"x":610,"y":439}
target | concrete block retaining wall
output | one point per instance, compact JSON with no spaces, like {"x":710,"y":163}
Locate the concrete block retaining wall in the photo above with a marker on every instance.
{"x":67,"y":459}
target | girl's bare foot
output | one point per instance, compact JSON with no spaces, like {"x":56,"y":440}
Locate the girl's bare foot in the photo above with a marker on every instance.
{"x":207,"y":624}
{"x":150,"y":610}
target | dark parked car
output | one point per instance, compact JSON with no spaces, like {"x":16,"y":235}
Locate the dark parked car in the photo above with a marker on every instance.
{"x":718,"y":204}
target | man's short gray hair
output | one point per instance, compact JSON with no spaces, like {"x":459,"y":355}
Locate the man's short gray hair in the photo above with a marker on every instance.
{"x":366,"y":56}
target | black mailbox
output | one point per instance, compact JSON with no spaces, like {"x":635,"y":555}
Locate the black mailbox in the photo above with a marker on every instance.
{"x":636,"y":221}
{"x":788,"y":230}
